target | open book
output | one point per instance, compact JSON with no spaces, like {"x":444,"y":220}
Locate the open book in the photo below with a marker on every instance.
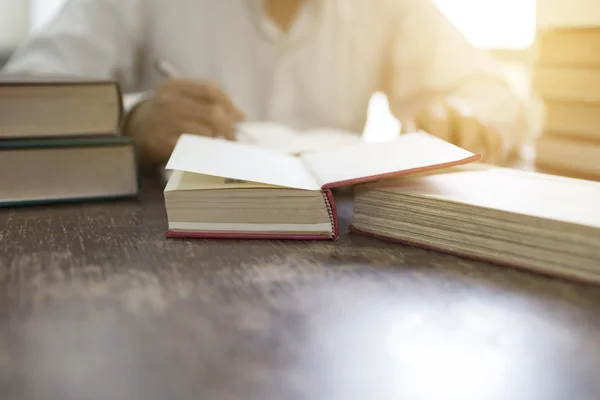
{"x":534,"y":221}
{"x":230,"y":189}
{"x":281,"y":138}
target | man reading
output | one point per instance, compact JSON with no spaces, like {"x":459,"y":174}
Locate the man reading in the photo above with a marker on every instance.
{"x":304,"y":63}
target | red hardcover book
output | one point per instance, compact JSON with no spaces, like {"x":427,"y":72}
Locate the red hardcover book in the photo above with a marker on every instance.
{"x":222,"y":189}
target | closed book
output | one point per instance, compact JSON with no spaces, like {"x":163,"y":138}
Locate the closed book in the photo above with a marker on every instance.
{"x":575,"y":47}
{"x":568,"y":156}
{"x":567,"y":84}
{"x":528,"y":220}
{"x":33,"y":106}
{"x":59,"y":170}
{"x":221,"y":189}
{"x":579,"y":121}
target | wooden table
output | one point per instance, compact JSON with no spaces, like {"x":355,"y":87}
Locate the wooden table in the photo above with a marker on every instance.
{"x":95,"y":303}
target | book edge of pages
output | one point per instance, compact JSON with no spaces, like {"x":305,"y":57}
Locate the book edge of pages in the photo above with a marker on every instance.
{"x":329,"y":205}
{"x":10,"y":79}
{"x":126,"y":142}
{"x":569,"y":276}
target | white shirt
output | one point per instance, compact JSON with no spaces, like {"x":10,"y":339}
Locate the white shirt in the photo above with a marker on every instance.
{"x":321,"y":73}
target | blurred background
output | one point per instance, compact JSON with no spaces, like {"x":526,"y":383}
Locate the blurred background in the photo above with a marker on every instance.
{"x":505,"y":27}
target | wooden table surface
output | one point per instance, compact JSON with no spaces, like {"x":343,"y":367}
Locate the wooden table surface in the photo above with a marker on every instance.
{"x":95,"y":303}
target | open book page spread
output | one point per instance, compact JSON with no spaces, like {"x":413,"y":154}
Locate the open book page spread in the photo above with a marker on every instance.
{"x":278,"y":137}
{"x":409,"y":152}
{"x":527,"y":193}
{"x":233,"y":160}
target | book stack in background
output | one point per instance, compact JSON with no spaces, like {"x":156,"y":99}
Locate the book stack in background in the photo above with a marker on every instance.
{"x":60,"y":141}
{"x":567,"y":78}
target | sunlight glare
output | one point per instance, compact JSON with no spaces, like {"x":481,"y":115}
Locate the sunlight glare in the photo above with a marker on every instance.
{"x":506,"y":24}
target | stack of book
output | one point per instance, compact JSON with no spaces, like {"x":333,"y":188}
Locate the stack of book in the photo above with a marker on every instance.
{"x":567,"y":78}
{"x":60,"y":141}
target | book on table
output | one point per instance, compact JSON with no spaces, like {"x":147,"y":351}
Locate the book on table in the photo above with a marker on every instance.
{"x":227,"y":189}
{"x":528,"y":220}
{"x":41,"y":106}
{"x":67,"y":170}
{"x":60,"y":136}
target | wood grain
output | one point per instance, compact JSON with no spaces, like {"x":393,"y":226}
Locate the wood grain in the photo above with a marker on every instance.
{"x":95,"y":303}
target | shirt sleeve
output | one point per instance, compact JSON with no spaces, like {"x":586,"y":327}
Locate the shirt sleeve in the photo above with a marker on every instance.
{"x":430,"y":59}
{"x":96,"y":38}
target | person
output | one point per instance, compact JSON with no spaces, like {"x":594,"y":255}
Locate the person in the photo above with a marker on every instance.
{"x":304,"y":63}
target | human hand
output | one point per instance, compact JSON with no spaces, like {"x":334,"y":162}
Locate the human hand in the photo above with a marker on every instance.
{"x":180,"y":106}
{"x":454,"y":121}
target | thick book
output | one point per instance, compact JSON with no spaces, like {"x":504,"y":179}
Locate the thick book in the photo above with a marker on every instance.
{"x":568,"y":156}
{"x":527,"y":220}
{"x":221,"y":189}
{"x":575,"y":47}
{"x":33,"y":106}
{"x":567,"y":84}
{"x":67,"y":170}
{"x":572,"y":120}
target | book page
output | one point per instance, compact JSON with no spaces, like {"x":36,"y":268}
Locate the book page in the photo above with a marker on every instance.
{"x":368,"y":161}
{"x":268,"y":135}
{"x":182,"y":180}
{"x":221,"y":158}
{"x":326,"y":138}
{"x":278,"y":137}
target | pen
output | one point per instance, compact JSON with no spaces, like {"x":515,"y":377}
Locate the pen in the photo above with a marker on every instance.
{"x":165,"y":69}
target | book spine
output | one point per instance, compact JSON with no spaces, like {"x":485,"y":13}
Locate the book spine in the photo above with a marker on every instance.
{"x":121,"y":117}
{"x":331,"y":210}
